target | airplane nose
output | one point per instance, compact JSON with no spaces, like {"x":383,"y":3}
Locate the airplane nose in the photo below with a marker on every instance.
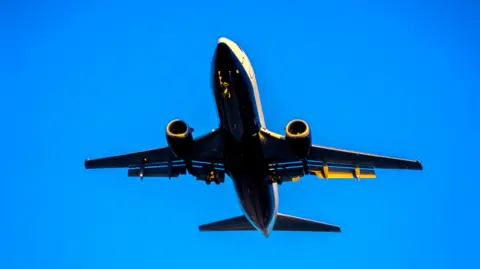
{"x":224,"y":40}
{"x":223,"y":49}
{"x":224,"y":43}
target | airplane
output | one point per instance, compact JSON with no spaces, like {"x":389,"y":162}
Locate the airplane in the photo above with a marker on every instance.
{"x":256,"y":159}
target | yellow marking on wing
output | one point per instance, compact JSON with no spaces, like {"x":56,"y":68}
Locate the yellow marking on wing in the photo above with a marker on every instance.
{"x":339,"y":173}
{"x":357,"y":173}
{"x":325,"y":171}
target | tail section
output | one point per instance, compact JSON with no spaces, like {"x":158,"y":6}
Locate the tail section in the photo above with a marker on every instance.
{"x":282,"y":223}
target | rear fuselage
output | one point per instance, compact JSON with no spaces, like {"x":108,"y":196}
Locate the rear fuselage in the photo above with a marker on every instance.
{"x":241,"y":117}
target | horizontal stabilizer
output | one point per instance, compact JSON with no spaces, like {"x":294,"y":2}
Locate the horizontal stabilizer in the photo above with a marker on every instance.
{"x":291,"y":223}
{"x":239,"y":223}
{"x":282,"y":223}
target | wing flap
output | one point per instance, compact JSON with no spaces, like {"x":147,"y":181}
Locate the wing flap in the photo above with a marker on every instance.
{"x":295,"y":170}
{"x":173,"y":171}
{"x":342,"y":172}
{"x":199,"y":170}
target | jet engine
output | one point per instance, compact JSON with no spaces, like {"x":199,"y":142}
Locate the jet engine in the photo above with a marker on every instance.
{"x":297,"y":134}
{"x":179,"y":137}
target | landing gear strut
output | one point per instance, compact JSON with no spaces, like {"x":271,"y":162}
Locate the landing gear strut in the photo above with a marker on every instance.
{"x":212,"y":177}
{"x":275,"y":179}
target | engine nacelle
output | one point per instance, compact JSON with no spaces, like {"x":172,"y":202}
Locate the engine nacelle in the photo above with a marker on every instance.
{"x":179,"y":138}
{"x":297,"y":134}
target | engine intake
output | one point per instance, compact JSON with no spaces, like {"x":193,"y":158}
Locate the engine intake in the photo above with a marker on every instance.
{"x":297,"y":134}
{"x":179,"y":138}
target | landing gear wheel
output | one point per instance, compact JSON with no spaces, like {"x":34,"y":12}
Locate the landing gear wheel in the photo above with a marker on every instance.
{"x":211,"y":177}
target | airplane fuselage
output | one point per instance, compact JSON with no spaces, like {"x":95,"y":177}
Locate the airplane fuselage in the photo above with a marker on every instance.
{"x":243,"y":149}
{"x":241,"y":117}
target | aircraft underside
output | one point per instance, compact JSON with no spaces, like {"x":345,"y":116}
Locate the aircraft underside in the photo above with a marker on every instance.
{"x":256,"y":159}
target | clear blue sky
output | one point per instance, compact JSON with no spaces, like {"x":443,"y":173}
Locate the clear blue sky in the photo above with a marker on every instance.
{"x":86,"y":79}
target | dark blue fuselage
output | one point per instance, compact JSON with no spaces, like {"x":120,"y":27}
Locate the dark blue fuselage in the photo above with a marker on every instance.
{"x":239,"y":110}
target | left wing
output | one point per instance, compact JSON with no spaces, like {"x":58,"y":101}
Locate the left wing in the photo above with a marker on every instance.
{"x":327,"y":162}
{"x":205,"y":160}
{"x":134,"y":159}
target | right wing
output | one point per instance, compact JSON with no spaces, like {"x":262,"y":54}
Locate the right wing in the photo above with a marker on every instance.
{"x":355,"y":158}
{"x":327,"y":162}
{"x":206,"y":157}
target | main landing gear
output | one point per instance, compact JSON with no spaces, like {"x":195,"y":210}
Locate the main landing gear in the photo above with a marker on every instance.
{"x":275,"y":179}
{"x":212,"y":178}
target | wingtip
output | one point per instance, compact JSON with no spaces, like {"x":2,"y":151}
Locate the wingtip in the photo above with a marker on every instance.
{"x":420,"y":166}
{"x":85,"y":163}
